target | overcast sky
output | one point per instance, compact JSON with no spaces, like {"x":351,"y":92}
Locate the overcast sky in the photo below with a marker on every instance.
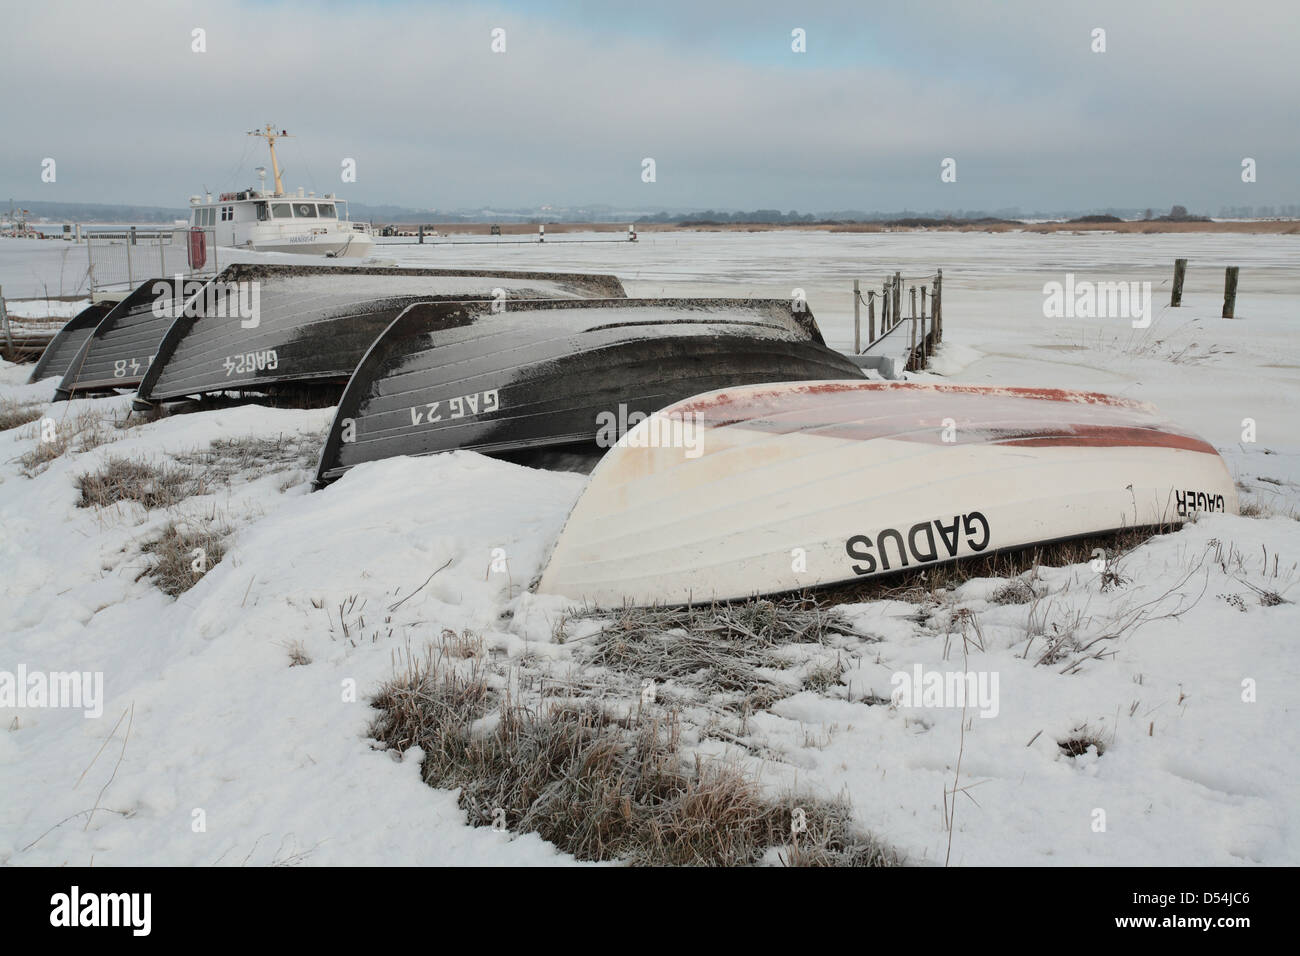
{"x":712,"y":91}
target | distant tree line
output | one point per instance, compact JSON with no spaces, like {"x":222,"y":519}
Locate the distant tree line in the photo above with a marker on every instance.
{"x":97,"y":212}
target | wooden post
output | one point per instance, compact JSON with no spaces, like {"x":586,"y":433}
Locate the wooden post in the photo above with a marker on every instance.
{"x":898,"y":297}
{"x":871,"y":317}
{"x":4,"y":321}
{"x":911,"y":355}
{"x":1230,"y":292}
{"x":937,"y":307}
{"x":1180,"y":270}
{"x":857,"y":317}
{"x":923,"y":343}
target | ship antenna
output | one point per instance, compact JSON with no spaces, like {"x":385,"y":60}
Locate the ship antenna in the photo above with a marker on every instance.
{"x":270,"y":134}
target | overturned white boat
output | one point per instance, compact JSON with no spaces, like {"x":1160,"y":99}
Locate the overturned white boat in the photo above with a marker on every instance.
{"x":772,"y":488}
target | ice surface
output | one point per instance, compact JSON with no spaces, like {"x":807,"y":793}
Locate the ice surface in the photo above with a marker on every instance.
{"x":1192,"y":773}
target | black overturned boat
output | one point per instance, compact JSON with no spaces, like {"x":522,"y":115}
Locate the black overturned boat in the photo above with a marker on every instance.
{"x":67,"y":342}
{"x":259,"y":327}
{"x":458,"y":375}
{"x":119,"y":350}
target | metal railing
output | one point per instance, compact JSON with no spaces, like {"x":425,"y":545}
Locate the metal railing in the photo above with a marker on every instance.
{"x":125,"y":258}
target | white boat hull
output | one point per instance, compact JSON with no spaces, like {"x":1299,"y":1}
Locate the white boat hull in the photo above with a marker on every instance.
{"x":785,"y":487}
{"x":339,"y":245}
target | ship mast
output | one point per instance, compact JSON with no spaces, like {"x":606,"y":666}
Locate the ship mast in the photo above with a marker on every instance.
{"x":270,"y":135}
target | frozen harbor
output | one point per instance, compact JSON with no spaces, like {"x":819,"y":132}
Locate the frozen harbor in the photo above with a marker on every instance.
{"x":1192,"y":768}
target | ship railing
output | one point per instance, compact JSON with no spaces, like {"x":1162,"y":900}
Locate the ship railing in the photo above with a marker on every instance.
{"x":123,"y":258}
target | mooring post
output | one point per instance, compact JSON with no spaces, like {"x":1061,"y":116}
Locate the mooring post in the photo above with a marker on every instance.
{"x":1180,"y":270}
{"x":911,"y":358}
{"x":937,"y":306}
{"x":421,"y":242}
{"x":541,"y":233}
{"x":4,"y":320}
{"x":857,"y":317}
{"x":924,"y":348}
{"x":871,"y":317}
{"x":898,"y":296}
{"x":1230,"y":292}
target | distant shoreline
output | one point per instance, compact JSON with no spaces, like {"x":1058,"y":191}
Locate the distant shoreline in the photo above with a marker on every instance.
{"x":1141,"y":227}
{"x":1133,"y":227}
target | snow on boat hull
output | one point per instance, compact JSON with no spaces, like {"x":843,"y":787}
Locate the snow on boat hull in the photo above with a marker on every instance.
{"x":118,"y":353}
{"x":809,"y":484}
{"x":266,"y":326}
{"x":546,"y":373}
{"x":65,"y":345}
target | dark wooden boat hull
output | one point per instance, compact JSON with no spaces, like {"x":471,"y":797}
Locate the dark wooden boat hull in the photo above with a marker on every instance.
{"x":314,"y":323}
{"x":118,"y":353}
{"x":65,"y":345}
{"x":448,"y":376}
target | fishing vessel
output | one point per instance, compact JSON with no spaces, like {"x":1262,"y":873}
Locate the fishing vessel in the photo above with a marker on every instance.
{"x":277,"y":221}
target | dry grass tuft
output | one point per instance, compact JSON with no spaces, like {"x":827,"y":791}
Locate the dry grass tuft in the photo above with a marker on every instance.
{"x":823,"y":677}
{"x":298,"y":656}
{"x":154,"y":486}
{"x":182,"y":554}
{"x":252,"y":456}
{"x":465,"y":644}
{"x":726,"y":650}
{"x":13,"y":414}
{"x":1015,"y":591}
{"x":1080,"y":740}
{"x":601,"y":788}
{"x":80,"y":433}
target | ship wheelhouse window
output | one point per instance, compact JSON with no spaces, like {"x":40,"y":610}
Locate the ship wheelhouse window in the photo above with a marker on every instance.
{"x":304,"y":210}
{"x":282,"y":210}
{"x":327,"y":210}
{"x":262,"y":213}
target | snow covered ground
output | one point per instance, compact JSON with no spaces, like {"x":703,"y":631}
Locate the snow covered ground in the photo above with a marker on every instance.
{"x":1193,"y":702}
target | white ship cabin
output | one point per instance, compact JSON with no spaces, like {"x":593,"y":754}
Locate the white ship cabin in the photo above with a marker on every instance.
{"x":274,"y":221}
{"x":265,"y":222}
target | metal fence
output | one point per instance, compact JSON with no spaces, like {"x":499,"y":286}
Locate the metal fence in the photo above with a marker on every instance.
{"x":128,"y":257}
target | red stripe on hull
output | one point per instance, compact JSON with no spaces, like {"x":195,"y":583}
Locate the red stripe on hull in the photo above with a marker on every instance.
{"x":965,"y":414}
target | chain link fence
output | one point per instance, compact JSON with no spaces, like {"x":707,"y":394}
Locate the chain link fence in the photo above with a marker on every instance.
{"x":128,"y":257}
